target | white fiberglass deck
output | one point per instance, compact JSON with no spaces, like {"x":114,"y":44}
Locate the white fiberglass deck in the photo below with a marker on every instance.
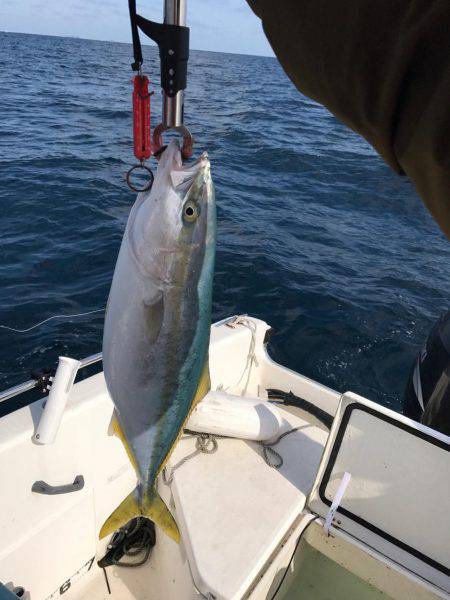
{"x":234,"y":510}
{"x":239,"y":518}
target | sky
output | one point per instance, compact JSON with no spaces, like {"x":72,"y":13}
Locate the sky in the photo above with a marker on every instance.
{"x":218,"y":25}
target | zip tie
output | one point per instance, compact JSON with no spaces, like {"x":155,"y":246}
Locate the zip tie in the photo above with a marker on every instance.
{"x":336,"y":502}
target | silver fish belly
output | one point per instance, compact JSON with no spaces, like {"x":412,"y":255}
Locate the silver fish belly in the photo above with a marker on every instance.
{"x":157,"y":325}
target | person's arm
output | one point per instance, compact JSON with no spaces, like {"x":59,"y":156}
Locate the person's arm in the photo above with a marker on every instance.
{"x":383,"y":68}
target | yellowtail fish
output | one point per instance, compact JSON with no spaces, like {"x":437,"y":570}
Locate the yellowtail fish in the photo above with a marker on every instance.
{"x":157,"y":325}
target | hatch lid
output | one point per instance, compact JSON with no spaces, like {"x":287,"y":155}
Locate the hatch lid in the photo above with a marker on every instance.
{"x":397,"y":500}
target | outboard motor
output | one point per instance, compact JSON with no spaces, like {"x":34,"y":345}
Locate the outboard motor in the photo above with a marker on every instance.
{"x":427,"y":394}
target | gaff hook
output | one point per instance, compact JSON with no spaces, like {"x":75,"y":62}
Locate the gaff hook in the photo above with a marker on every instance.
{"x":172,"y":38}
{"x":188,"y":141}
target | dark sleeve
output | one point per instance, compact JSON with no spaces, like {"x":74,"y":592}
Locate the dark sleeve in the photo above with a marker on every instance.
{"x":383,"y":68}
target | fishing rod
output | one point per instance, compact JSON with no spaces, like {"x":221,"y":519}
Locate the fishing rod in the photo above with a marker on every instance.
{"x":172,"y":38}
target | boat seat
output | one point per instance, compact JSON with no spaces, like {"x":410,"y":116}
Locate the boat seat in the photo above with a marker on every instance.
{"x":233,"y":509}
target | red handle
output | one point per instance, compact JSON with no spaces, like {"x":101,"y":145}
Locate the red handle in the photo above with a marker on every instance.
{"x":141,"y":118}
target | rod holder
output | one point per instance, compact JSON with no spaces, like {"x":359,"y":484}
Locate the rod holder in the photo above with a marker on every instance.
{"x":57,"y":399}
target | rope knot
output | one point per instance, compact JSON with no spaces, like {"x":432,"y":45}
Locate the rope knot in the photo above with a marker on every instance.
{"x":206,"y":443}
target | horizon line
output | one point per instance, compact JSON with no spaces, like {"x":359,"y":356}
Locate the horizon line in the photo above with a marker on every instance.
{"x":151,"y":45}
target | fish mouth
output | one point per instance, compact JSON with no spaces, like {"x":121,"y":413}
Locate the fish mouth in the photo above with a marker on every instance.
{"x":182,"y":175}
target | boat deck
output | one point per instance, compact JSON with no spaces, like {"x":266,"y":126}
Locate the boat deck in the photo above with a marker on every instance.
{"x":240,"y":518}
{"x":249,"y":506}
{"x":234,"y":510}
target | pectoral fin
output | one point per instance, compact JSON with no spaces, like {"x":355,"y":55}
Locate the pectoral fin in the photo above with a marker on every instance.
{"x":153,"y":508}
{"x":153,"y":316}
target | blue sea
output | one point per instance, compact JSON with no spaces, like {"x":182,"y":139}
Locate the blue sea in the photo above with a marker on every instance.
{"x":316,"y":235}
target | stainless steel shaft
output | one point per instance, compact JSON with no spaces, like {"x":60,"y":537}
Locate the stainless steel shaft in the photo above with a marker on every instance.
{"x":174,"y":14}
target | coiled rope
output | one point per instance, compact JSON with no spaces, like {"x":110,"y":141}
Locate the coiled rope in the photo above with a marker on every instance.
{"x":135,"y":541}
{"x":206,"y":443}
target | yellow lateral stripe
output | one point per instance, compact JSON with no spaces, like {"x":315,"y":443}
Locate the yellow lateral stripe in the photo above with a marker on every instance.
{"x":203,"y":388}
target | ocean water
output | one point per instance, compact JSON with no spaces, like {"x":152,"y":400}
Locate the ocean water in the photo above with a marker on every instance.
{"x":316,"y":235}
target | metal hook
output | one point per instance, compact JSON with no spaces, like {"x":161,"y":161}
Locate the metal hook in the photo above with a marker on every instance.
{"x":188,"y":141}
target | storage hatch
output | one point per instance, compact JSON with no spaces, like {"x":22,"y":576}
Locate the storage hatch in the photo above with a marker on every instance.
{"x":397,"y":500}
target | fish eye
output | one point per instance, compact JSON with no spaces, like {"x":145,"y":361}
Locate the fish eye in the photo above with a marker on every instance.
{"x":190,"y":212}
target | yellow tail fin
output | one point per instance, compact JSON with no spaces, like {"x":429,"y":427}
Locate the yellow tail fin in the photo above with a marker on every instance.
{"x":156,"y":510}
{"x":153,"y":508}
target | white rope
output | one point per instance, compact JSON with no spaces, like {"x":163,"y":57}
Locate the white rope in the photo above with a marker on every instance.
{"x":251,"y":356}
{"x":84,"y":314}
{"x":206,"y":443}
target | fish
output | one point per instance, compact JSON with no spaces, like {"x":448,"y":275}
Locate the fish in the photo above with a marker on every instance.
{"x":157,"y":325}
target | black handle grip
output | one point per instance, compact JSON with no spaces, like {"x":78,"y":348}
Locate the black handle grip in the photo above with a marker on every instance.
{"x":41,"y":487}
{"x":173,"y":43}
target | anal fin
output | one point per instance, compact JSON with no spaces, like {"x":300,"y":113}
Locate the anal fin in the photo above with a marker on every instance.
{"x":115,"y":429}
{"x":204,"y":385}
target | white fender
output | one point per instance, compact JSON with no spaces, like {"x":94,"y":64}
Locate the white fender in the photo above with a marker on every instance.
{"x":234,"y":416}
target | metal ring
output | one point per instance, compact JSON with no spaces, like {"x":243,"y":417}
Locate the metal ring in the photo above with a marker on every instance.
{"x":146,"y":187}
